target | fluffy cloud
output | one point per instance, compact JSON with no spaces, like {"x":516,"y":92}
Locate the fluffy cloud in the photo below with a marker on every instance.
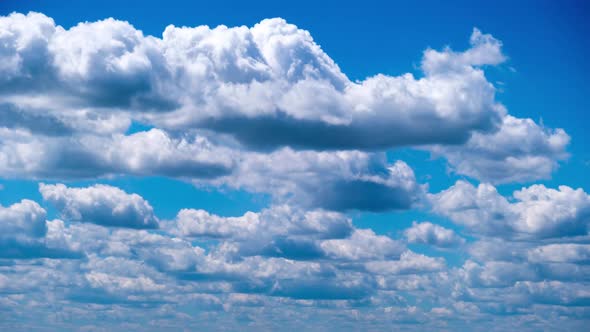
{"x":561,"y":253}
{"x":363,"y":244}
{"x":276,"y":221}
{"x":283,"y":231}
{"x":327,"y":179}
{"x":295,"y":175}
{"x":100,"y":204}
{"x":303,"y":99}
{"x":538,"y":212}
{"x":485,"y":50}
{"x":429,"y":233}
{"x":356,"y":270}
{"x":264,"y":109}
{"x":26,"y":217}
{"x":23,"y":233}
{"x":519,"y":151}
{"x":151,"y":152}
{"x":269,"y":85}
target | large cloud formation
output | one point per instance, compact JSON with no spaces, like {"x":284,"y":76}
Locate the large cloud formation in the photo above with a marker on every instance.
{"x":265,"y":110}
{"x":75,"y":92}
{"x":270,"y":85}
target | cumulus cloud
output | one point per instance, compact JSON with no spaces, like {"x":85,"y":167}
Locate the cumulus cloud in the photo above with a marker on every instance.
{"x":561,"y":253}
{"x":266,"y":110}
{"x":363,"y":244}
{"x":152,"y":152}
{"x":100,"y":204}
{"x":429,"y":233}
{"x":308,"y":178}
{"x":268,"y":86}
{"x":283,"y":231}
{"x":194,"y":262}
{"x":485,"y":50}
{"x":409,"y":263}
{"x":23,"y":230}
{"x":25,"y":217}
{"x":519,"y":151}
{"x":538,"y":212}
{"x":342,"y":180}
{"x":274,"y":221}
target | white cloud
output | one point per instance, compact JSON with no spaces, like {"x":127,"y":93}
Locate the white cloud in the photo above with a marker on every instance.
{"x":23,"y":218}
{"x":264,"y":109}
{"x":275,"y":221}
{"x":326,"y":179}
{"x":144,"y":153}
{"x":561,"y":253}
{"x":538,"y":212}
{"x":485,"y":50}
{"x":519,"y":151}
{"x":240,"y":80}
{"x":429,"y":233}
{"x":24,"y":233}
{"x":363,"y":244}
{"x":100,"y":204}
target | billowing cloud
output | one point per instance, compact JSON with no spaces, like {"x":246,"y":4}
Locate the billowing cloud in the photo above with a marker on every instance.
{"x":265,"y":110}
{"x":429,"y":233}
{"x":26,"y":217}
{"x":561,"y":253}
{"x":363,"y":244}
{"x":200,"y":260}
{"x":145,"y":153}
{"x":538,"y":212}
{"x":276,"y":221}
{"x":268,"y":86}
{"x":100,"y":204}
{"x":328,"y":179}
{"x":519,"y":151}
{"x":23,"y":233}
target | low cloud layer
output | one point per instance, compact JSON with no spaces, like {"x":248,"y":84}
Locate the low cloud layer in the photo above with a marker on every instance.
{"x":293,"y":259}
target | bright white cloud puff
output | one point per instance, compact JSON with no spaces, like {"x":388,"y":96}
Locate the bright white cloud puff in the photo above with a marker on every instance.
{"x":537,"y":212}
{"x":100,"y":204}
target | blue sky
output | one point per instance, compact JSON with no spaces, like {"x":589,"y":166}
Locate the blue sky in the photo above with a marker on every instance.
{"x":356,"y":164}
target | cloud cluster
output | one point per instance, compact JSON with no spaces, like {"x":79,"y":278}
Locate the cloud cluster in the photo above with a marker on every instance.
{"x":268,"y":86}
{"x":282,"y":252}
{"x":152,"y":152}
{"x":519,"y":151}
{"x":529,"y":250}
{"x":283,"y":260}
{"x":344,"y":180}
{"x":537,"y":213}
{"x":23,"y":231}
{"x":265,"y":110}
{"x":228,"y":105}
